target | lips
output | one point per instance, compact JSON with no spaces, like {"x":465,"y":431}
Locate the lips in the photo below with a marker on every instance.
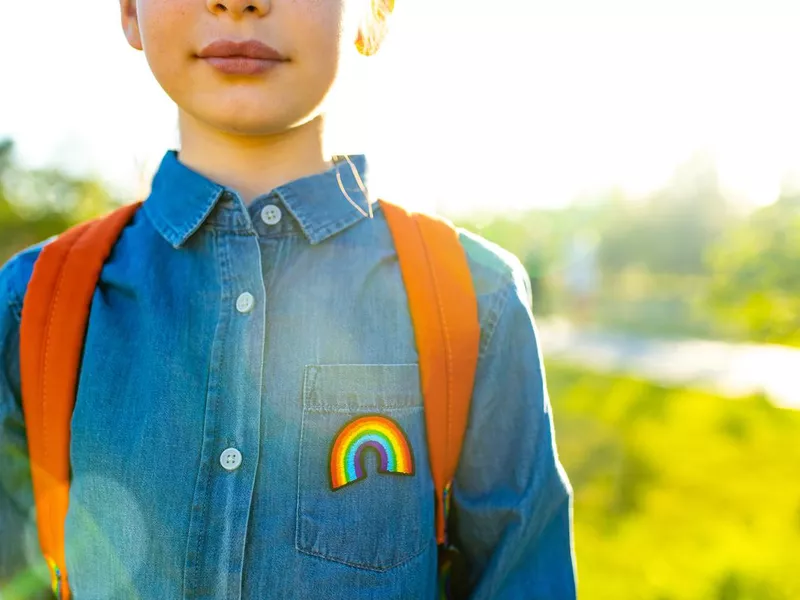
{"x":246,"y":49}
{"x":250,"y":57}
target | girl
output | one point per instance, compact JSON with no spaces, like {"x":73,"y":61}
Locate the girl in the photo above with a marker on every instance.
{"x":248,"y":310}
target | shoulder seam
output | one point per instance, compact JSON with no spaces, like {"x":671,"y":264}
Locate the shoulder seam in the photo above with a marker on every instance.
{"x":495,"y":314}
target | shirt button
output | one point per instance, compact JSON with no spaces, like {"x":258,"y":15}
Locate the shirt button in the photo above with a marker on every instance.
{"x":270,"y":214}
{"x":230,"y":459}
{"x":245,"y":302}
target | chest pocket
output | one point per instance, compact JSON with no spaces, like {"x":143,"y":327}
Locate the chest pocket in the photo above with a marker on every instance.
{"x":365,"y":489}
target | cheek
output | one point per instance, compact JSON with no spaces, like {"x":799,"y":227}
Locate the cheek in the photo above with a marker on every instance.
{"x":167,"y":38}
{"x":320,"y":33}
{"x":324,"y":23}
{"x":164,"y":25}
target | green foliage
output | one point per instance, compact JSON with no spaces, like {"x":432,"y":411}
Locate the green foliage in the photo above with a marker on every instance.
{"x":36,"y":204}
{"x":539,"y":237}
{"x":679,"y":263}
{"x":670,"y":231}
{"x":755,"y":274}
{"x":679,"y":495}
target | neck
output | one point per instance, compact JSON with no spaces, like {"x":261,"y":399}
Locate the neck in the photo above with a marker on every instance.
{"x":253,"y":165}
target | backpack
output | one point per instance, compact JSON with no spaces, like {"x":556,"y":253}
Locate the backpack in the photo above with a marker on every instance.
{"x":55,"y":314}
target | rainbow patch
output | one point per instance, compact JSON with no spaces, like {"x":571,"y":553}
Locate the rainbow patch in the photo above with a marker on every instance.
{"x":378,"y":433}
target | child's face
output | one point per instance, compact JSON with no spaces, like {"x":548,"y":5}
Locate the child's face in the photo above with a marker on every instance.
{"x":312,"y":35}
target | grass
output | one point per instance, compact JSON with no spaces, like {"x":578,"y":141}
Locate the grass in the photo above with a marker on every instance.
{"x":678,"y":494}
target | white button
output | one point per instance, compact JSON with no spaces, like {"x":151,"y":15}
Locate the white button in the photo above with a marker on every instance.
{"x":230,"y":459}
{"x":245,"y":302}
{"x":270,"y":214}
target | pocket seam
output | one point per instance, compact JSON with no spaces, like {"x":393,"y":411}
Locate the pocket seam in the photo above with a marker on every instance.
{"x":356,"y":565}
{"x":399,"y":396}
{"x":298,"y":494}
{"x":364,"y":408}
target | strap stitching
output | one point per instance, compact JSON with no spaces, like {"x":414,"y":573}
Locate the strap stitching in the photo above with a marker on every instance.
{"x":446,"y":332}
{"x":46,"y":350}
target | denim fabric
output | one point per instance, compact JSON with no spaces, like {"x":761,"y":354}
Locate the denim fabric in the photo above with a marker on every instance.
{"x":179,"y":366}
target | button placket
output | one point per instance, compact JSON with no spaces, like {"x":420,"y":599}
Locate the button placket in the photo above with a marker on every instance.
{"x":215,"y":561}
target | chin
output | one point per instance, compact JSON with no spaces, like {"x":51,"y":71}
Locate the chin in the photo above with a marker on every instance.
{"x":253,"y":118}
{"x":239,"y":125}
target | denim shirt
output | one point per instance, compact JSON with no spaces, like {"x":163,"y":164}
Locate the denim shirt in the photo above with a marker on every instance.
{"x":227,"y":346}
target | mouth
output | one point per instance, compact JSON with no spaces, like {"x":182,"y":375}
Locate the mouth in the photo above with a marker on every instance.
{"x":249,"y":57}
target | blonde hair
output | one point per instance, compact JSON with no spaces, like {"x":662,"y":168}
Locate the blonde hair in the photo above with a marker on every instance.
{"x":374,"y":27}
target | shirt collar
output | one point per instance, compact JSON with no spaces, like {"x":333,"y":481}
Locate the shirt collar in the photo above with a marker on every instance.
{"x":320,"y":202}
{"x":181,"y":199}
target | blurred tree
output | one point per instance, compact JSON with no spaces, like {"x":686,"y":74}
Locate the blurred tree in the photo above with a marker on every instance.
{"x":755,"y":277}
{"x":38,"y":203}
{"x":671,"y":231}
{"x":651,"y":253}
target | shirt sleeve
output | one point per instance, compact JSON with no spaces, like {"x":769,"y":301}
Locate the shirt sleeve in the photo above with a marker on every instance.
{"x":19,"y":569}
{"x":511,"y":511}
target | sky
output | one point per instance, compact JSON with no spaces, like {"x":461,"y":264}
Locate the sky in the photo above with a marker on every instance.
{"x":470,"y":106}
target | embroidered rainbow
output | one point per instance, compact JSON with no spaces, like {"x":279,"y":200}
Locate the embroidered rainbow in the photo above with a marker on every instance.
{"x":378,"y":433}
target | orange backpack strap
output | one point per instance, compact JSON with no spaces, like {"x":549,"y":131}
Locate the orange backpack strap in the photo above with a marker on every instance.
{"x":444,"y":311}
{"x":55,"y":313}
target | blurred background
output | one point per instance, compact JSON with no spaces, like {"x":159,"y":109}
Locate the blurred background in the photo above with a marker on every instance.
{"x":641,"y":157}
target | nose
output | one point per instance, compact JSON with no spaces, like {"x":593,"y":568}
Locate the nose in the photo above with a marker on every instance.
{"x":237,"y":8}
